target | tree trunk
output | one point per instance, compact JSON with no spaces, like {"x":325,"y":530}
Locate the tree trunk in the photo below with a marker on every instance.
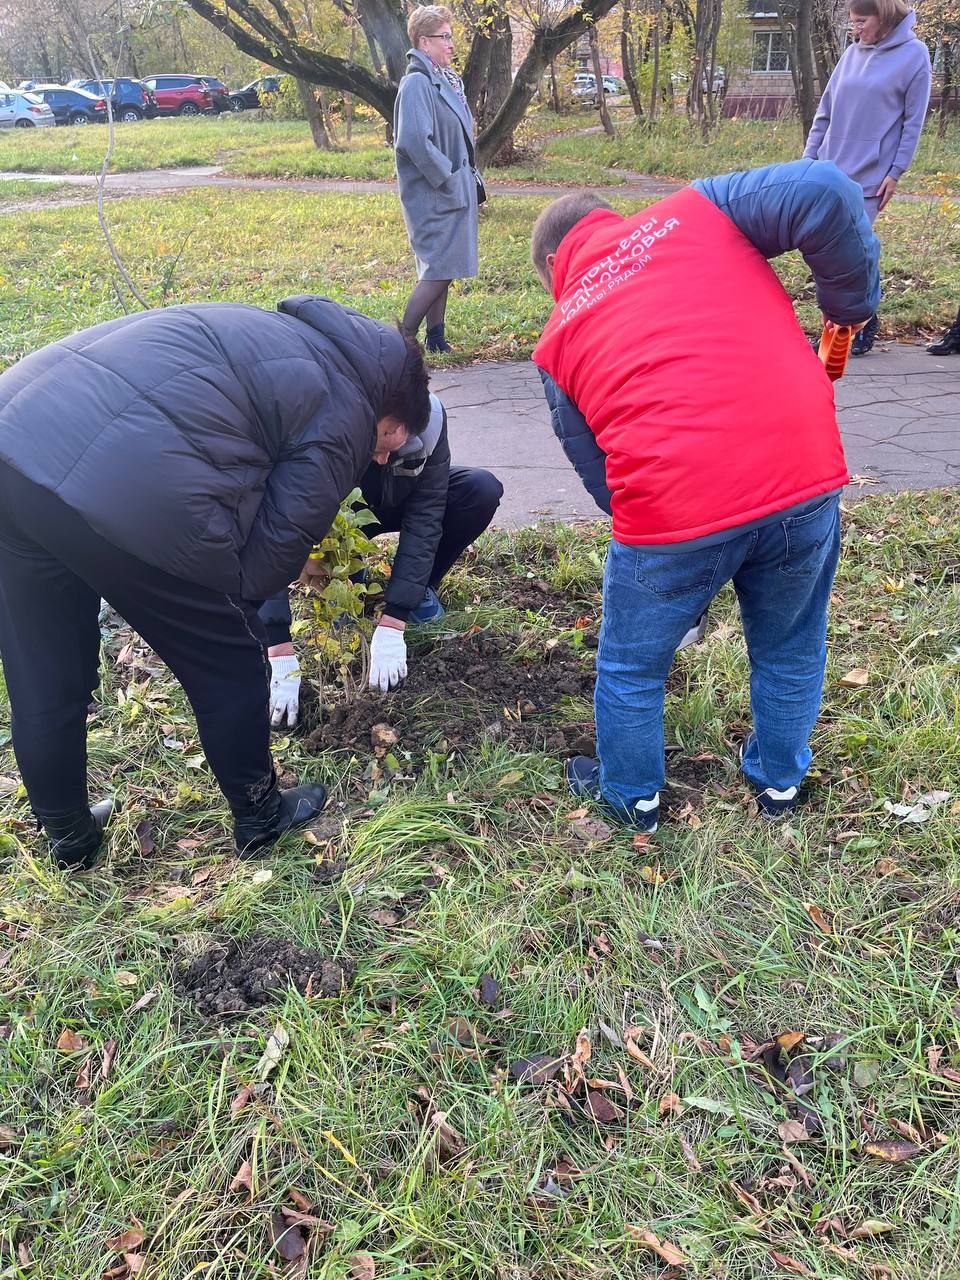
{"x":946,"y":86}
{"x":826,"y":43}
{"x":796,"y":25}
{"x":554,"y":91}
{"x":655,"y":87}
{"x":626,"y":59}
{"x":605,"y":120}
{"x":318,"y":128}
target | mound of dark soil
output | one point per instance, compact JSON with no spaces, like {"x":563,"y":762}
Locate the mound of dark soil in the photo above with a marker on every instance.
{"x":234,"y":977}
{"x":461,"y":689}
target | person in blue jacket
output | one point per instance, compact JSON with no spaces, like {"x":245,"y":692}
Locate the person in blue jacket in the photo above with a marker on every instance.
{"x":808,"y":206}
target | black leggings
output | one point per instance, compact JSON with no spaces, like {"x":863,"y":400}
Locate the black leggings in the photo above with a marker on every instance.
{"x":429,"y":299}
{"x":53,"y":571}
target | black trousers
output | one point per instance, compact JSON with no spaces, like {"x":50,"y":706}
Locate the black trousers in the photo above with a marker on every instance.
{"x":473,"y":496}
{"x":53,"y":571}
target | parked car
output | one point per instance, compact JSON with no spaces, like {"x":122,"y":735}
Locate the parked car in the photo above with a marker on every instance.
{"x":249,"y":97}
{"x":72,"y":106}
{"x":585,"y":86}
{"x":24,"y":111}
{"x":178,"y":95}
{"x":220,"y":92}
{"x":130,"y":99}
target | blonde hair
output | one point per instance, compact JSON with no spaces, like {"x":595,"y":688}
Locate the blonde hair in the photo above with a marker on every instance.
{"x":889,"y":12}
{"x":424,"y":21}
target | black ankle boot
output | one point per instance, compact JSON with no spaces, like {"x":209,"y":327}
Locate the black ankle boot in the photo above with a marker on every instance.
{"x":75,"y":839}
{"x":949,"y":344}
{"x":436,"y":339}
{"x":259,"y":823}
{"x":863,"y":340}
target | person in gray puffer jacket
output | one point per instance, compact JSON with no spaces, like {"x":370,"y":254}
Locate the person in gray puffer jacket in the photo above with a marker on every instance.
{"x":180,"y":463}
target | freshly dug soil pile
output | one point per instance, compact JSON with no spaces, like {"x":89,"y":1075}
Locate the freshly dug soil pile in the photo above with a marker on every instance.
{"x":233,"y":977}
{"x":468,"y":687}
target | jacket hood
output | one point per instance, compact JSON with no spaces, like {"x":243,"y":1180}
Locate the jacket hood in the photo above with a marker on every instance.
{"x":901,"y":33}
{"x":373,"y":355}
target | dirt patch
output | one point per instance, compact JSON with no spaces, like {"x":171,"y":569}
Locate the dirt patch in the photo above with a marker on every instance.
{"x":233,"y":977}
{"x":468,"y":687}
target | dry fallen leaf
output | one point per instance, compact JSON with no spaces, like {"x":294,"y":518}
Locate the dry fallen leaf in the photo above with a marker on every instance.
{"x":670,"y":1104}
{"x":784,"y":1261}
{"x":82,"y":1081}
{"x":634,"y":1050}
{"x":70,"y":1042}
{"x":8,"y":1137}
{"x":747,"y":1198}
{"x":598,"y":1107}
{"x":288,"y":1240}
{"x":670,"y":1254}
{"x":871,"y":1227}
{"x":389,"y":919}
{"x":241,"y":1099}
{"x":858,"y":678}
{"x":362,"y":1266}
{"x":819,"y":917}
{"x":582,"y":1052}
{"x":488,"y":990}
{"x":539,"y":1068}
{"x":148,"y":997}
{"x":123,"y":978}
{"x":126,"y":1242}
{"x":689,"y":1155}
{"x":792,"y":1131}
{"x":788,"y":1040}
{"x":243,"y":1178}
{"x":109,"y":1053}
{"x":895,"y":1152}
{"x":591,"y":830}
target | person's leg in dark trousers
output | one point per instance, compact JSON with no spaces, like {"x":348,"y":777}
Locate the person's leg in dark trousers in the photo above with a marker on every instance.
{"x":212,"y":643}
{"x":50,"y":646}
{"x":473,"y":497}
{"x":784,"y":586}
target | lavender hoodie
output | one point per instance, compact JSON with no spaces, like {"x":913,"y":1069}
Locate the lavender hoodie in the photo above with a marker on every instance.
{"x":873,"y":108}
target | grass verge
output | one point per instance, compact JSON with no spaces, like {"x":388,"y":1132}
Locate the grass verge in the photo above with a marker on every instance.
{"x":767,"y":966}
{"x":206,"y":245}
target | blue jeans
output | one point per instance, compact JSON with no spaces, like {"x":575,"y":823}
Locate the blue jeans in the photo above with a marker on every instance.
{"x":782,"y":574}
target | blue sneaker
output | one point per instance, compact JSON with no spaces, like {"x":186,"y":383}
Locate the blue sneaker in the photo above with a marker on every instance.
{"x":583,"y":779}
{"x":428,"y":610}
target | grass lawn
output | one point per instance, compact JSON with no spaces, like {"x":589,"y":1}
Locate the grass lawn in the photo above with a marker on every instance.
{"x":559,"y":150}
{"x":202,"y":245}
{"x":786,"y":1103}
{"x":24,"y":190}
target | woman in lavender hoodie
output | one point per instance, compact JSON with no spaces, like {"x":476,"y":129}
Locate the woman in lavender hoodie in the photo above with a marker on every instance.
{"x":873,"y":108}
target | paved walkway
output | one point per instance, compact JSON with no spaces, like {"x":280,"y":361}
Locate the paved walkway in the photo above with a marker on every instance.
{"x":899,"y":414}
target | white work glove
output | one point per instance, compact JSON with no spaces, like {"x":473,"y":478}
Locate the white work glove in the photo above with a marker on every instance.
{"x":284,"y":692}
{"x":388,"y":658}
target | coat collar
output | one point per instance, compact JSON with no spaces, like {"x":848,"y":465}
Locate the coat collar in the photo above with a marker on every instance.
{"x":419,"y":63}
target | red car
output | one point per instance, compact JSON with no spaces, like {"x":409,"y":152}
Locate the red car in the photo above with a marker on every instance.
{"x":180,"y":95}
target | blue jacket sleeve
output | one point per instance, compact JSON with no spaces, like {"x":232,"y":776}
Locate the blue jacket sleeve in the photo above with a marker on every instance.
{"x":578,"y":442}
{"x":811,"y":206}
{"x":276,"y":618}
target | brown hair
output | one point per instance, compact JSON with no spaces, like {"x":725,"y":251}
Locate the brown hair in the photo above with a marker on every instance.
{"x":424,"y":20}
{"x":554,"y":223}
{"x":889,"y":12}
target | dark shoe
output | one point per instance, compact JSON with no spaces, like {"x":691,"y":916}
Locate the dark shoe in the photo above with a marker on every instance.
{"x":436,"y":340}
{"x":771,"y":803}
{"x":583,"y":779}
{"x":75,"y":840}
{"x":864,"y":339}
{"x":949,"y":344}
{"x":259,"y":826}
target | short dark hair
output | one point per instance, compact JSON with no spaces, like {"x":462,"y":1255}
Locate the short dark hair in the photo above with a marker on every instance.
{"x":408,"y":400}
{"x":554,"y":223}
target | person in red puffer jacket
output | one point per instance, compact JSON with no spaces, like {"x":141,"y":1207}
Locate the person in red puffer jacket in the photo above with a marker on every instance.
{"x":718,"y":455}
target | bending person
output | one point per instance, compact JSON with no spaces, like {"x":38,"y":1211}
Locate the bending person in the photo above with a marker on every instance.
{"x":180,"y":463}
{"x":716,"y":474}
{"x":438,"y":511}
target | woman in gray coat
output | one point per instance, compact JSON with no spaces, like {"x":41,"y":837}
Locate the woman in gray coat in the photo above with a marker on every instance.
{"x":433,"y":137}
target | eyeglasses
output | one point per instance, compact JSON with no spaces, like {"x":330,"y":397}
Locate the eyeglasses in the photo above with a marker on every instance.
{"x":445,"y":36}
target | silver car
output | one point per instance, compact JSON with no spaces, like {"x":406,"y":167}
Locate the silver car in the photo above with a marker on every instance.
{"x":24,"y":111}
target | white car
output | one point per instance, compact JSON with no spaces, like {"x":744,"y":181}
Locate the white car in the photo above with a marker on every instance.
{"x":585,"y":85}
{"x":24,"y":111}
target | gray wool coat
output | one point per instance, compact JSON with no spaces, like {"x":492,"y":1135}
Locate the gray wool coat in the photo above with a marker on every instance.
{"x":433,"y":138}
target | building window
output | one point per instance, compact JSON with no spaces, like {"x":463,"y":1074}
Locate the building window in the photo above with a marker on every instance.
{"x":769,"y":51}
